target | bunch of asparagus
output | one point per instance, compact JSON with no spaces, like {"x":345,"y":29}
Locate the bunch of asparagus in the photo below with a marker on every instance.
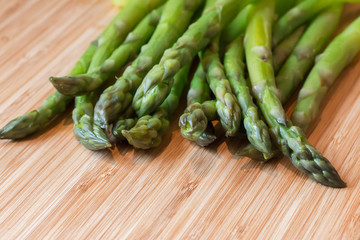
{"x":249,"y":65}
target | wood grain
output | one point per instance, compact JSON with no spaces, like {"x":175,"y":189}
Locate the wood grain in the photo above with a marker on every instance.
{"x":53,"y":188}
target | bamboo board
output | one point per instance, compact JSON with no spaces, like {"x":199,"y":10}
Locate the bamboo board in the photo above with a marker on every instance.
{"x":53,"y":188}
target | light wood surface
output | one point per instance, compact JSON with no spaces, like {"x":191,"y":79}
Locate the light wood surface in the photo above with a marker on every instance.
{"x":51,"y":187}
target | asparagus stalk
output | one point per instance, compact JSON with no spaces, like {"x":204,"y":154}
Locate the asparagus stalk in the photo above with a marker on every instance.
{"x":128,"y":123}
{"x":291,"y":140}
{"x":332,"y":61}
{"x":148,"y":131}
{"x":125,"y":53}
{"x":112,"y":37}
{"x":199,"y":90}
{"x":88,"y":133}
{"x":118,"y":97}
{"x":194,"y":123}
{"x":237,"y":26}
{"x":299,"y":15}
{"x":256,"y":130}
{"x":297,"y":65}
{"x":55,"y":104}
{"x":282,"y":51}
{"x":157,"y":83}
{"x":316,"y":36}
{"x":226,"y":103}
{"x":208,"y":108}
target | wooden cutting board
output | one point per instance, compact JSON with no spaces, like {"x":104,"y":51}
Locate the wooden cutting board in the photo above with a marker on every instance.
{"x":52,"y":187}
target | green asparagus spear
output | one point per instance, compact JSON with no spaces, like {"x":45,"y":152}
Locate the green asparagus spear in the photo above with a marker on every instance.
{"x":283,"y":50}
{"x":209,"y":109}
{"x":148,"y":131}
{"x":157,"y":83}
{"x":118,"y":97}
{"x":126,"y":52}
{"x":194,"y":123}
{"x":199,"y":90}
{"x":311,"y":42}
{"x":281,"y":53}
{"x":291,"y":140}
{"x":55,"y":104}
{"x":256,"y":130}
{"x":227,"y":105}
{"x":237,"y":26}
{"x":89,"y":135}
{"x":299,"y":15}
{"x":332,"y":61}
{"x":316,"y":36}
{"x":112,"y":37}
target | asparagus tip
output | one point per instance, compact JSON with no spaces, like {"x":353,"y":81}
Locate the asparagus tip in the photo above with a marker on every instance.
{"x":141,"y":142}
{"x":63,"y":84}
{"x":71,"y":85}
{"x":2,"y":136}
{"x":98,"y":145}
{"x":15,"y":130}
{"x":132,"y":139}
{"x":205,"y":139}
{"x":334,"y":182}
